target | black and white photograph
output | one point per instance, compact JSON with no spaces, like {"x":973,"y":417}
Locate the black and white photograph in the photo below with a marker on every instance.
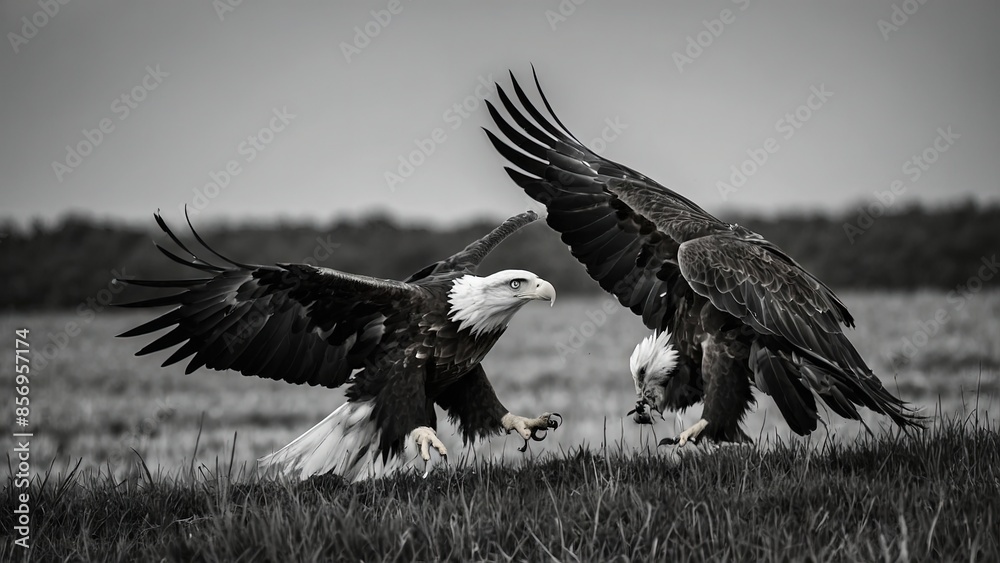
{"x":560,"y":280}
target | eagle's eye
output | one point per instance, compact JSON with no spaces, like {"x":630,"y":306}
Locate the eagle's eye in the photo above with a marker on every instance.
{"x":642,"y":371}
{"x":514,"y":284}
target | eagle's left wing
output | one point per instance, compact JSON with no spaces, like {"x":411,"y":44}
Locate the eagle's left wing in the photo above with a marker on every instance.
{"x":291,"y":322}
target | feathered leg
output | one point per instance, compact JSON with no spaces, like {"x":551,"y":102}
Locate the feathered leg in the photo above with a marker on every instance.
{"x":473,"y":404}
{"x":727,"y":395}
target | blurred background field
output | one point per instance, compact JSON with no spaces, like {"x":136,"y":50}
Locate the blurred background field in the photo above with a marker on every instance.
{"x":69,"y":263}
{"x":93,"y":400}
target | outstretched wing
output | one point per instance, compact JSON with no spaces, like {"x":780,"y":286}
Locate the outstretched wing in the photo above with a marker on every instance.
{"x":291,"y":322}
{"x":629,"y":255}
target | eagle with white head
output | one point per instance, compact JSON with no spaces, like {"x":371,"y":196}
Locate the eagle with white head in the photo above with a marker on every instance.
{"x":652,"y":364}
{"x":742,"y":312}
{"x":403,"y":347}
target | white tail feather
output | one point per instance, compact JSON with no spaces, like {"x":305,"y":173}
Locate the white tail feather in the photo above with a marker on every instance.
{"x":346,"y":443}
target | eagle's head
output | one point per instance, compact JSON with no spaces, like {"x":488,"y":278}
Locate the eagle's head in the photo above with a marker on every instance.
{"x":652,"y":363}
{"x":487,"y":304}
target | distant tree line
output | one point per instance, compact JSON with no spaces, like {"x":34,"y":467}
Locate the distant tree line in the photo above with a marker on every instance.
{"x":71,"y":264}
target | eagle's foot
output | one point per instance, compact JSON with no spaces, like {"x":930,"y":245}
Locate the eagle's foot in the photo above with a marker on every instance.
{"x":426,"y":438}
{"x":528,"y":428}
{"x":689,"y":435}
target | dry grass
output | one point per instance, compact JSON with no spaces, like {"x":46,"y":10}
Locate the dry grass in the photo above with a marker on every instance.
{"x":931,"y":496}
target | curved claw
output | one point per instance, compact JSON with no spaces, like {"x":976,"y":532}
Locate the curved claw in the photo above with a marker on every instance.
{"x":539,"y":434}
{"x":553,"y":424}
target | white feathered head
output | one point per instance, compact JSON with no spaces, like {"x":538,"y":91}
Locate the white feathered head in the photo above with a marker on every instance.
{"x":484,"y":305}
{"x":652,"y":362}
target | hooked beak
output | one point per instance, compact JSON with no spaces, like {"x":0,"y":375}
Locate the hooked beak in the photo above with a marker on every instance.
{"x":644,"y":410}
{"x":542,"y":290}
{"x":641,"y":413}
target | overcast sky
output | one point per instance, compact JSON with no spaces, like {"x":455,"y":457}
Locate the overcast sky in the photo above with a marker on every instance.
{"x":312,"y":106}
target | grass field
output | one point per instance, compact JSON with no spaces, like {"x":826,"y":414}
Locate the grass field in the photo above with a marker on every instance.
{"x":934,"y":497}
{"x":594,"y":489}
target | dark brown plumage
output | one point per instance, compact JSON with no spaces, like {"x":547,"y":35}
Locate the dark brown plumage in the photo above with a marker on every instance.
{"x":739,"y":308}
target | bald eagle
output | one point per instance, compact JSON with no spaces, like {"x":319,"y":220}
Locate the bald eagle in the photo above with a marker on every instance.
{"x":738,"y":309}
{"x":402,"y":346}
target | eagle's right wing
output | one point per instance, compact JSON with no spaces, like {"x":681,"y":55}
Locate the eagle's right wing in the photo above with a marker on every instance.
{"x":468,"y":259}
{"x":800,"y":320}
{"x":291,"y":322}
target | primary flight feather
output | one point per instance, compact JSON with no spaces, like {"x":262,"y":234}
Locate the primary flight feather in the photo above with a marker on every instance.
{"x":738,"y":310}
